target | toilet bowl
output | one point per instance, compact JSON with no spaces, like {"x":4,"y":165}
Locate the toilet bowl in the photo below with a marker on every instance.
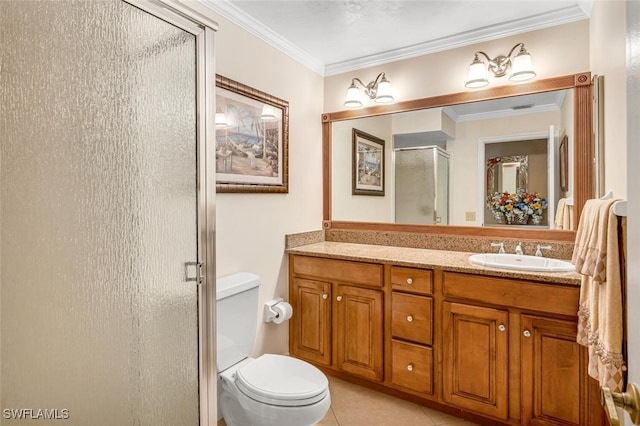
{"x":273,"y":390}
{"x":270,"y":390}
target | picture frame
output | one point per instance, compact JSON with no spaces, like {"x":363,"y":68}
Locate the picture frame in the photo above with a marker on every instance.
{"x":367,"y":164}
{"x":564,"y":164}
{"x":252,"y":139}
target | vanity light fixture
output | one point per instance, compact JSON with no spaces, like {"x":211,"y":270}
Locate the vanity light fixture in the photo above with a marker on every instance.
{"x":221,"y":120}
{"x":379,"y":90}
{"x":267,"y":113}
{"x":520,"y":64}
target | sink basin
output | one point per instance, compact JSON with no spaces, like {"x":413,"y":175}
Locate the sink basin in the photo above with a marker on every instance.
{"x":521,"y":262}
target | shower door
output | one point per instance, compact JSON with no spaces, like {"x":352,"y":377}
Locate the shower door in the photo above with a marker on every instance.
{"x":102,"y":195}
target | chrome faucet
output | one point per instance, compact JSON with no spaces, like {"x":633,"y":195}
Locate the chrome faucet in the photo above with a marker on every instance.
{"x":501,"y":245}
{"x":519,"y":249}
{"x":539,"y":249}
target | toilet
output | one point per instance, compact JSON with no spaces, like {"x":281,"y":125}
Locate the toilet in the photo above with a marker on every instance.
{"x":270,"y":390}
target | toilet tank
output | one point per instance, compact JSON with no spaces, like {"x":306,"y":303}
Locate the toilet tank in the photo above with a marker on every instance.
{"x":236,"y":317}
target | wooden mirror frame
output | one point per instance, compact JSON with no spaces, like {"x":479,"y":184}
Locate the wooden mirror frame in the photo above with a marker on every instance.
{"x":583,"y":155}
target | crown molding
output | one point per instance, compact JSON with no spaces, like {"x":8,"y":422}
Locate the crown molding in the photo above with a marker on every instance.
{"x":537,"y":22}
{"x":545,"y":20}
{"x":251,"y":25}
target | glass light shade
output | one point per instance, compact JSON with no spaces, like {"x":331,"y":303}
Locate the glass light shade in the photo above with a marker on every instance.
{"x":267,"y":113}
{"x":521,"y":68}
{"x":477,"y":75}
{"x":383,"y":94}
{"x":221,"y":120}
{"x":353,"y":97}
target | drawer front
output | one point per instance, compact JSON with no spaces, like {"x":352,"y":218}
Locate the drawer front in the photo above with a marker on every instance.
{"x":369,"y":274}
{"x":549,"y":298}
{"x":412,"y":366}
{"x":412,"y":279}
{"x":411,"y":317}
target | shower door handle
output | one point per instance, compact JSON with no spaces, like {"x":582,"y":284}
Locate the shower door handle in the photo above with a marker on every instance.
{"x":193,"y":271}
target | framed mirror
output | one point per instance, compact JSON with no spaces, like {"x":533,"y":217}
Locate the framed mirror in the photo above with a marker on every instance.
{"x":507,"y":174}
{"x":334,"y":124}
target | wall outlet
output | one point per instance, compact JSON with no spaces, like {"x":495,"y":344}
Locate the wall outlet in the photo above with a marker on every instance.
{"x":469,"y":216}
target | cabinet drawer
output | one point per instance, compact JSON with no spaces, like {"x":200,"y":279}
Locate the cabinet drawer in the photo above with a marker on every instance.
{"x":412,"y":366}
{"x":411,"y":317}
{"x":549,"y":298}
{"x":369,"y":274}
{"x":411,"y":279}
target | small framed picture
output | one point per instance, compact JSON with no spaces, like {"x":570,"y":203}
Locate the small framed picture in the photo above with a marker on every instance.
{"x":368,"y":164}
{"x":252,"y":139}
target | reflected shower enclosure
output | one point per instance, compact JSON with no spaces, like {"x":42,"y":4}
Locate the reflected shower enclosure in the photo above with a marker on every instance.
{"x":421,"y":185}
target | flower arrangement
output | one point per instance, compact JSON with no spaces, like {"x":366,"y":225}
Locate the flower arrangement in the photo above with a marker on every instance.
{"x":520,"y":205}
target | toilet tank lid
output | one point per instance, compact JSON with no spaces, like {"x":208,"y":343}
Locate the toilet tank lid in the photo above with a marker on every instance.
{"x":236,"y":283}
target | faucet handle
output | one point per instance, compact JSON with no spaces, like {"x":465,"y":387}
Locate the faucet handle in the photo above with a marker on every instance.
{"x":519,"y":249}
{"x":501,"y":245}
{"x":539,"y":249}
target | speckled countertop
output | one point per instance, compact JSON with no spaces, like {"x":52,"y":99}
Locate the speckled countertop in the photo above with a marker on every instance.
{"x":454,"y":261}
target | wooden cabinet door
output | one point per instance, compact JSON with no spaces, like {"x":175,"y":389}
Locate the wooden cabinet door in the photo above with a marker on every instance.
{"x":310,"y":326}
{"x":359,"y":328}
{"x":552,"y":384}
{"x":475,"y":354}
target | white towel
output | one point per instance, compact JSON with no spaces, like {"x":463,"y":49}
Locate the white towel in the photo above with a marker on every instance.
{"x":564,"y":216}
{"x":600,"y":313}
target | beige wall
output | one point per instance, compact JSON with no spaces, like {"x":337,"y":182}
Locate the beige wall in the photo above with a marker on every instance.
{"x":250,"y":228}
{"x":607,"y":49}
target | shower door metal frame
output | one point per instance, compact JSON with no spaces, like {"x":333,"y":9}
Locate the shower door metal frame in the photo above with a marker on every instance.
{"x":184,"y":15}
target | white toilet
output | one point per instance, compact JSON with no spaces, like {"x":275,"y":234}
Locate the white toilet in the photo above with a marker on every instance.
{"x":271,"y":390}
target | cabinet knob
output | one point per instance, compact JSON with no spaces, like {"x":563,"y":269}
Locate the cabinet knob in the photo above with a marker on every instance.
{"x":501,"y":327}
{"x":409,"y":318}
{"x":339,"y":298}
{"x":409,"y":281}
{"x":526,"y":333}
{"x":324,"y":296}
{"x":410,"y":367}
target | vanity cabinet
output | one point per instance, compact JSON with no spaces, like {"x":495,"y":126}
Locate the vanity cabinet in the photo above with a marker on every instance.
{"x":338,"y":314}
{"x":502,"y":349}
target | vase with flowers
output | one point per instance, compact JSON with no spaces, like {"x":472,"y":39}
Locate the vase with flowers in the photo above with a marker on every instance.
{"x":516,"y":208}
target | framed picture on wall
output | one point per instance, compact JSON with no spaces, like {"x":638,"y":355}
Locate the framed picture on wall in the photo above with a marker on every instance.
{"x":252,"y":139}
{"x":367,"y":164}
{"x":564,"y":164}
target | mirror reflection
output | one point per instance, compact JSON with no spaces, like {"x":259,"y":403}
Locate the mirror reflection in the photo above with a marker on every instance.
{"x":468,"y":135}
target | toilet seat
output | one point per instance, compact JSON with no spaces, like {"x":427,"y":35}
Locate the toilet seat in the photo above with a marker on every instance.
{"x":282,"y":381}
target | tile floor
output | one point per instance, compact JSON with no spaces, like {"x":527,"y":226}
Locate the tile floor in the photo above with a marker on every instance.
{"x":353,"y":405}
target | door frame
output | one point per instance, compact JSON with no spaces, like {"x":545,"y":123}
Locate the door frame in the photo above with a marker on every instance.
{"x":191,"y":17}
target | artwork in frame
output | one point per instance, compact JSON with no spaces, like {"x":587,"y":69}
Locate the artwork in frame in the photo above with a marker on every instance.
{"x":252,"y":139}
{"x":564,"y":164}
{"x":368,"y":164}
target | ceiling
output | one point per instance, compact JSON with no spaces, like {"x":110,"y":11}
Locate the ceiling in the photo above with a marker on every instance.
{"x":332,"y":37}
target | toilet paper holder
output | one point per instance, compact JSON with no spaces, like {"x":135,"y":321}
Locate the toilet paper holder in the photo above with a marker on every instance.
{"x":271,"y":314}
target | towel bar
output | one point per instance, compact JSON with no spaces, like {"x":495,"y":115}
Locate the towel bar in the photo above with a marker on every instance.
{"x":620,"y":208}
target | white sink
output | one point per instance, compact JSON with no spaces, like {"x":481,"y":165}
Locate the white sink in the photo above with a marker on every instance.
{"x":521,"y":262}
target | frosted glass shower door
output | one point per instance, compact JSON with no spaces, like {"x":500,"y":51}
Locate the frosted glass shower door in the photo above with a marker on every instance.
{"x":99,"y":213}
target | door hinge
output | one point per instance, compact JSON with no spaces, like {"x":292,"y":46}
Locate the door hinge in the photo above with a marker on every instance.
{"x":194,"y":271}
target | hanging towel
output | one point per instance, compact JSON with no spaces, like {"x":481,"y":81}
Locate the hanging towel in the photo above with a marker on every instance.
{"x":600,"y":319}
{"x":564,"y":216}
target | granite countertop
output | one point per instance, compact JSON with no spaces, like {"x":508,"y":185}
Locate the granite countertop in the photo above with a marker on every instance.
{"x":453,"y":261}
